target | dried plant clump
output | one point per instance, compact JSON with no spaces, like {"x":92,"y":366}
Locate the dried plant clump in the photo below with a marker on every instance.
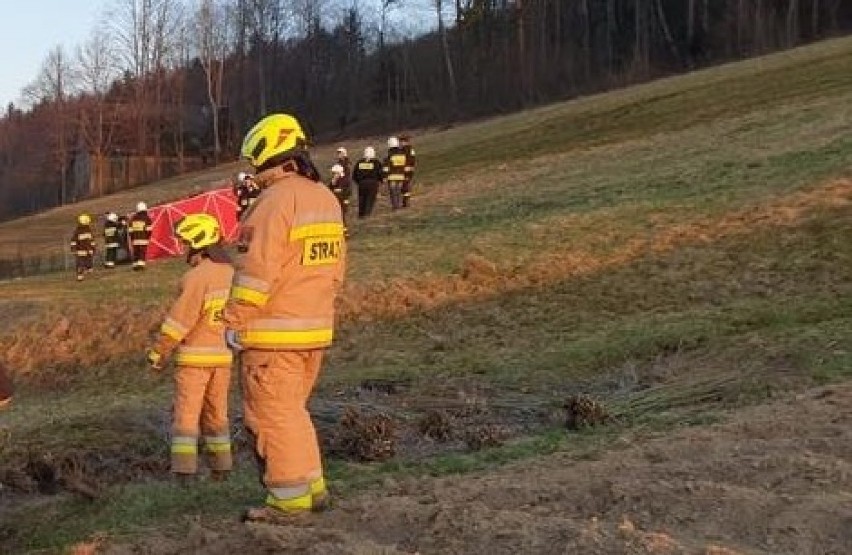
{"x":364,"y":437}
{"x":581,"y":411}
{"x":436,"y":425}
{"x":484,"y":436}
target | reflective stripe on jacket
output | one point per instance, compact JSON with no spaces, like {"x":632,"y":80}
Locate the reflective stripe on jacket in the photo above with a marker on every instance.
{"x":195,"y":319}
{"x":140,"y":228}
{"x":292,"y":266}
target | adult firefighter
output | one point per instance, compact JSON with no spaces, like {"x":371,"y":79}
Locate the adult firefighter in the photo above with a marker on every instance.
{"x":368,"y":176}
{"x":281,"y":311}
{"x":410,"y":162}
{"x":111,"y":240}
{"x":246,"y":191}
{"x":341,"y":186}
{"x":140,"y":235}
{"x":394,"y":168}
{"x":83,"y":246}
{"x":343,"y":160}
{"x":194,"y":327}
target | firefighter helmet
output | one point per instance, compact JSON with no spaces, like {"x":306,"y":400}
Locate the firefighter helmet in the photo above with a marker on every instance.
{"x":337,"y":169}
{"x":242,"y":176}
{"x":112,"y":217}
{"x":393,"y":142}
{"x":141,"y":207}
{"x":341,"y":151}
{"x":84,"y":219}
{"x":198,"y":230}
{"x":369,"y":153}
{"x":273,"y":135}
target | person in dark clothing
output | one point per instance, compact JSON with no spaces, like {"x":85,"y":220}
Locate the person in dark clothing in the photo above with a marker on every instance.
{"x":368,"y":176}
{"x":111,"y":240}
{"x":408,"y":184}
{"x":394,"y":170}
{"x":343,"y":160}
{"x":83,"y":246}
{"x":140,"y":235}
{"x":122,"y":231}
{"x":341,"y":186}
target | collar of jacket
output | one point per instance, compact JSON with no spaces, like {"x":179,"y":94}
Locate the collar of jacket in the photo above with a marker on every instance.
{"x":268,"y":177}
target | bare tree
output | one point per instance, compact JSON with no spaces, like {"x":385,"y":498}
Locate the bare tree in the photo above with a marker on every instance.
{"x":146,"y":32}
{"x":97,"y":69}
{"x":52,"y":88}
{"x":212,"y":37}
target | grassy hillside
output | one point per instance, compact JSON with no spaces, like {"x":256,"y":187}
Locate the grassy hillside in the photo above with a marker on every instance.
{"x":678,"y":249}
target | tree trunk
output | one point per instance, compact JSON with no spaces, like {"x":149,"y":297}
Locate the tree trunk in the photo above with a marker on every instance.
{"x":448,"y":62}
{"x":792,"y":22}
{"x":814,"y":19}
{"x":664,"y":25}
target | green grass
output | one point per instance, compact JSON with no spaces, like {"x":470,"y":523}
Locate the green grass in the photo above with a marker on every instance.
{"x":675,"y":251}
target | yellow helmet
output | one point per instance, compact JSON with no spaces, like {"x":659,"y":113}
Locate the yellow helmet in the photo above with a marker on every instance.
{"x":273,"y":135}
{"x":198,"y":230}
{"x":84,"y":219}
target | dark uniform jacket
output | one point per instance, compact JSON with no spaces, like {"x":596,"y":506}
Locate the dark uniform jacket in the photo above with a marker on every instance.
{"x":83,"y":241}
{"x":368,"y":170}
{"x":396,"y":164}
{"x":140,"y":228}
{"x":111,"y":238}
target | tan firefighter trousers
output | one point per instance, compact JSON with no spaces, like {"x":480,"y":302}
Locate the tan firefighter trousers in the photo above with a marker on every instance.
{"x":276,"y":387}
{"x":201,"y":409}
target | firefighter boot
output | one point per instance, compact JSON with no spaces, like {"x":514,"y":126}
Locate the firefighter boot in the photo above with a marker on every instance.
{"x":279,"y":511}
{"x":320,"y":499}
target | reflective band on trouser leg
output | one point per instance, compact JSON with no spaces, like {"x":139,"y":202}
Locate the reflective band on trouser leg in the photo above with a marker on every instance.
{"x":190,"y":385}
{"x":214,"y":419}
{"x":184,"y":454}
{"x":275,"y":396}
{"x":218,"y":449}
{"x":201,"y":357}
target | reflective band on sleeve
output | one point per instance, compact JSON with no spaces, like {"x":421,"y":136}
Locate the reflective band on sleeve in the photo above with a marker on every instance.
{"x":174,"y":329}
{"x":251,"y":283}
{"x":325,"y":229}
{"x":139,"y":242}
{"x":249,"y":296}
{"x":194,"y":359}
{"x":286,"y":338}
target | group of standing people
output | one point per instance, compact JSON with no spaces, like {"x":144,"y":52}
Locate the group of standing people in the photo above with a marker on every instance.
{"x":124,"y":238}
{"x":275,"y":307}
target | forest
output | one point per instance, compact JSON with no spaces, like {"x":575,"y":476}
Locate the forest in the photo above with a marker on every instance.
{"x":163,"y":87}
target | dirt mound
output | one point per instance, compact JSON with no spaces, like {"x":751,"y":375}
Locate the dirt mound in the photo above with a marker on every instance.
{"x":775,"y":479}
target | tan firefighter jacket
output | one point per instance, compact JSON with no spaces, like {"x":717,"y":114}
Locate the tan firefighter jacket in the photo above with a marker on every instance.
{"x":291,"y":266}
{"x":194,"y":322}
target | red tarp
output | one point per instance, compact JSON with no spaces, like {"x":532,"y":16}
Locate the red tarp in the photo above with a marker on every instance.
{"x":220,"y":203}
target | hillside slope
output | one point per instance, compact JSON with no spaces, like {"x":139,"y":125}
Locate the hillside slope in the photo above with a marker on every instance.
{"x":676,"y":251}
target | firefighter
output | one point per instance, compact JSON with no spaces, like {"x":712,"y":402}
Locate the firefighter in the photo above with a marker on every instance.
{"x":111,"y":240}
{"x":7,"y":390}
{"x":241,"y":193}
{"x":123,"y":234}
{"x":140,"y":235}
{"x":194,"y":328}
{"x":368,"y":176}
{"x":394,"y":169}
{"x":408,"y":184}
{"x":341,"y":186}
{"x":281,"y":311}
{"x":83,"y":246}
{"x":343,"y":160}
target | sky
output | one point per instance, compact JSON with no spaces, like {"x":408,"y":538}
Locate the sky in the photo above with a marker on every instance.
{"x":30,"y":29}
